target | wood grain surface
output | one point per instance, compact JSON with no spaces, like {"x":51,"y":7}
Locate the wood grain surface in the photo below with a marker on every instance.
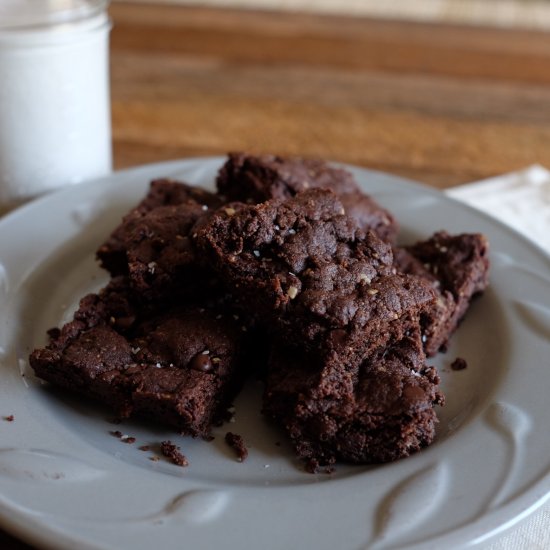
{"x":440,"y":104}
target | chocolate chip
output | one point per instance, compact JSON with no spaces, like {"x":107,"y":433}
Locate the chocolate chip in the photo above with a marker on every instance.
{"x":414,"y":394}
{"x":124,"y":323}
{"x":201,"y":362}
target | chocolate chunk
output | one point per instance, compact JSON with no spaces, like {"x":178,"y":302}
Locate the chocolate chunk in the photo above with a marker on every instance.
{"x":201,"y":362}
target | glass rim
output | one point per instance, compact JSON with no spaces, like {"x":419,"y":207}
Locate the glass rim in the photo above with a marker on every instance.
{"x":14,"y":17}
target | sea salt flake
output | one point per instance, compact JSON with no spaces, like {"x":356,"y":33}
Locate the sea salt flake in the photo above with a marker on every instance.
{"x":364,"y":279}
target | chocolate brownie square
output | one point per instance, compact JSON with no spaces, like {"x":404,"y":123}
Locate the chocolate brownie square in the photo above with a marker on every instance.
{"x":161,"y":255}
{"x":378,"y":410}
{"x":457,"y":267}
{"x":180,"y":366}
{"x":163,"y":193}
{"x":153,"y":244}
{"x":255,"y":179}
{"x":311,"y":273}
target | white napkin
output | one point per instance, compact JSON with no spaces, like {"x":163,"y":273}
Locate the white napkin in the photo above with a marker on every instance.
{"x":521,"y":200}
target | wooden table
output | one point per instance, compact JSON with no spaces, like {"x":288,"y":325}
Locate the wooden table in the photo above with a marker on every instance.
{"x":440,"y":104}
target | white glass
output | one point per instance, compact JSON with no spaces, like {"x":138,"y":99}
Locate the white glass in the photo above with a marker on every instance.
{"x":55,"y":123}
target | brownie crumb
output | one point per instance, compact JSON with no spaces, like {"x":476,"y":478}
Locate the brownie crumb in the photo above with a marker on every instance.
{"x":154,"y":458}
{"x":9,"y":418}
{"x":172,"y":451}
{"x":236,"y":442}
{"x":116,"y":433}
{"x":144,"y":448}
{"x":312,"y":466}
{"x":459,"y":364}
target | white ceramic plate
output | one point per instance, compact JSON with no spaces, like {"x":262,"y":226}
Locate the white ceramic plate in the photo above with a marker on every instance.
{"x":66,"y":483}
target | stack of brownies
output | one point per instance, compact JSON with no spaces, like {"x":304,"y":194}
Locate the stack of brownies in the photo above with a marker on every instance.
{"x":288,"y":270}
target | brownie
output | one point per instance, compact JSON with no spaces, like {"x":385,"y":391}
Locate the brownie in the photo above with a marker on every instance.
{"x":160,"y":253}
{"x":255,"y":179}
{"x":135,"y":226}
{"x":311,"y":273}
{"x":457,"y":267}
{"x":378,"y":410}
{"x":178,"y":365}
